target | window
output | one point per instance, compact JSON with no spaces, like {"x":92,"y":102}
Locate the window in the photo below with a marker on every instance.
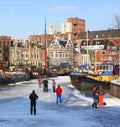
{"x":60,"y":54}
{"x":56,"y":55}
{"x":51,"y":54}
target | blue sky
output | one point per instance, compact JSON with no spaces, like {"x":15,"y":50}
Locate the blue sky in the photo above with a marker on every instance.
{"x":21,"y":18}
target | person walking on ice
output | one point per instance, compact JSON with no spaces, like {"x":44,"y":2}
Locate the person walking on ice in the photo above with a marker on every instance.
{"x":40,"y":81}
{"x":58,"y":94}
{"x":95,"y":98}
{"x":33,"y":97}
{"x":53,"y":85}
{"x":45,"y":85}
{"x":101,"y":95}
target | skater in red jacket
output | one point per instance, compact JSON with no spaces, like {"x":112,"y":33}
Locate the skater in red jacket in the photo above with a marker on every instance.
{"x":58,"y":93}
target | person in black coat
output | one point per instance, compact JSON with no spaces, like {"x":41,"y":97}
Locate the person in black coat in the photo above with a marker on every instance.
{"x":33,"y":97}
{"x":95,"y":98}
{"x":45,"y":84}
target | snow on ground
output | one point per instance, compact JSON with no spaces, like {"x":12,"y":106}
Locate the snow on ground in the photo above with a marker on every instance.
{"x":75,"y":111}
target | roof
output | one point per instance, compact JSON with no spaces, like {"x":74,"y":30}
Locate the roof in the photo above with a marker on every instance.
{"x":100,"y":33}
{"x":63,"y":43}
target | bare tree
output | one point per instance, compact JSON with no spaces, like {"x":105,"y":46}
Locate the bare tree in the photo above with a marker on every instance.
{"x":117,"y":20}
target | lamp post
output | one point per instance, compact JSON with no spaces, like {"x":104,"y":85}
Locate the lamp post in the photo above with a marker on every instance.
{"x":45,"y":49}
{"x":95,"y":61}
{"x":87,"y":50}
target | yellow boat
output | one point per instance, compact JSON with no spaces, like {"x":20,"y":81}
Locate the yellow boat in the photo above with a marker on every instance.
{"x":103,"y":78}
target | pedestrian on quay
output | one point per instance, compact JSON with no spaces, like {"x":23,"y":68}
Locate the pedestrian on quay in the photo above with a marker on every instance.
{"x":58,"y":94}
{"x":33,"y":97}
{"x":53,"y":85}
{"x":101,"y":95}
{"x":95,"y":98}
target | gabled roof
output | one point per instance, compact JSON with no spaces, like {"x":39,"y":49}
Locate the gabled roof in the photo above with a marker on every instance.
{"x":59,"y":42}
{"x":62,"y":43}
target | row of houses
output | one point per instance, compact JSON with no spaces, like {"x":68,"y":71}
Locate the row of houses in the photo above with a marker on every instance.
{"x":78,"y":47}
{"x":86,"y":51}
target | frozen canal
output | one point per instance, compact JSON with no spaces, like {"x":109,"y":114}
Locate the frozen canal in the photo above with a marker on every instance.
{"x":75,"y":111}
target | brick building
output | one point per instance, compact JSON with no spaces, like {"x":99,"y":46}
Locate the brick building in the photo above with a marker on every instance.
{"x":5,"y":42}
{"x":101,"y":46}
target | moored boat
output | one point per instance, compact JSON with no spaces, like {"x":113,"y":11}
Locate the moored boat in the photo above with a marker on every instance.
{"x":104,"y":77}
{"x":86,"y":81}
{"x":115,"y":88}
{"x":7,"y":77}
{"x":4,"y":80}
{"x":17,"y":76}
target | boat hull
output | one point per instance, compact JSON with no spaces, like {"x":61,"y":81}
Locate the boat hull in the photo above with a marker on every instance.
{"x":83,"y":83}
{"x":4,"y":80}
{"x":14,"y":77}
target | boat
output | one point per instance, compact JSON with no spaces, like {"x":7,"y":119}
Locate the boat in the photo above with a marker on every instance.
{"x":85,"y":81}
{"x":105,"y":77}
{"x":13,"y":77}
{"x":77,"y":78}
{"x":52,"y":72}
{"x":115,"y":88}
{"x":16,"y":75}
{"x":4,"y":80}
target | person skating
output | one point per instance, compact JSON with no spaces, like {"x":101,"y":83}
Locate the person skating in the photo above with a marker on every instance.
{"x":95,"y":98}
{"x":45,"y":88}
{"x":33,"y":97}
{"x":40,"y":81}
{"x":94,"y":88}
{"x":58,"y":94}
{"x":101,"y":96}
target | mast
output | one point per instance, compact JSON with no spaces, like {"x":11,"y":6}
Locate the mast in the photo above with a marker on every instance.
{"x":87,"y":50}
{"x":45,"y":46}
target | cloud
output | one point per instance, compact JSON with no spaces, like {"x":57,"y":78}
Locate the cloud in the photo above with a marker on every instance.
{"x":63,"y":8}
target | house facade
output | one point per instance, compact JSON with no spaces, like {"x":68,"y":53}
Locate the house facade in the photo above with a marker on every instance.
{"x":5,"y":42}
{"x":61,"y":51}
{"x":101,"y":47}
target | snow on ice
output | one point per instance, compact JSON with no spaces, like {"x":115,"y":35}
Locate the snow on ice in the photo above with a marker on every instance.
{"x":75,"y":111}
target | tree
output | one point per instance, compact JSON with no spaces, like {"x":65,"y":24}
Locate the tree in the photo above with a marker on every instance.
{"x":117,"y":19}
